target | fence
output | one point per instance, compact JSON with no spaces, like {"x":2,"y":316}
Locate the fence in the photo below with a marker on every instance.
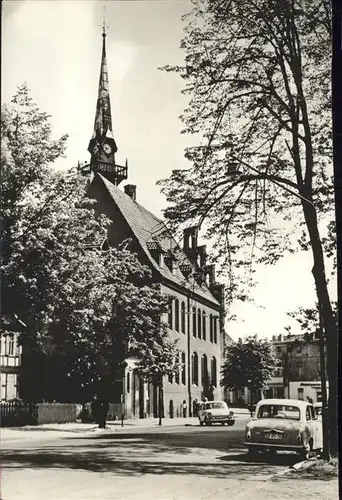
{"x":16,"y":413}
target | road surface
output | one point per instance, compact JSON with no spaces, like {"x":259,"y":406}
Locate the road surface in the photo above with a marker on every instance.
{"x":167,"y":463}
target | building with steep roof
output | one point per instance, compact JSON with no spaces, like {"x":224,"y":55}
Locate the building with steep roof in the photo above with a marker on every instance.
{"x":196,"y":314}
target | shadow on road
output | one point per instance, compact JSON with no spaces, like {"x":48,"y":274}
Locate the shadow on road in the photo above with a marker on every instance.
{"x":186,"y":453}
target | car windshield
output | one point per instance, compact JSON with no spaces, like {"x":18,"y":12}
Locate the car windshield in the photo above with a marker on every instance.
{"x":215,"y":405}
{"x":279,"y":411}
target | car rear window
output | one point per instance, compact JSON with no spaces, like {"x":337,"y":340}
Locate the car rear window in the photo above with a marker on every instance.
{"x":215,"y":405}
{"x":279,"y":411}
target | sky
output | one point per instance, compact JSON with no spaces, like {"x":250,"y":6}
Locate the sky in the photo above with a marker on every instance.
{"x":55,"y":46}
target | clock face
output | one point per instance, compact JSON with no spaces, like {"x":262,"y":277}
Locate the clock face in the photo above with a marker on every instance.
{"x":107,"y":148}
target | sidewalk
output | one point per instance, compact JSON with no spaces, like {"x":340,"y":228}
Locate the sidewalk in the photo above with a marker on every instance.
{"x":29,"y":431}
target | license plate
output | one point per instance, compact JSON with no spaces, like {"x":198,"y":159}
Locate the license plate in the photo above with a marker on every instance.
{"x":274,"y":437}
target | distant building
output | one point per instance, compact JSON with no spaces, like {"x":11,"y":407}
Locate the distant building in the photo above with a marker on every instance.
{"x":298,"y":373}
{"x":196,"y":315}
{"x":10,"y":361}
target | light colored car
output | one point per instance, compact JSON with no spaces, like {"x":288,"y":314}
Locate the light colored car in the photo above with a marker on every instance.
{"x":284,"y":424}
{"x":318,"y":410}
{"x":215,"y":412}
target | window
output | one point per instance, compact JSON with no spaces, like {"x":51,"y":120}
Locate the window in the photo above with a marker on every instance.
{"x":195,"y":368}
{"x":183,"y":368}
{"x":204,"y":370}
{"x":204,"y":325}
{"x":309,"y":415}
{"x":183,"y":317}
{"x":213,"y":371}
{"x":177,"y":376}
{"x":194,"y":317}
{"x":199,"y":324}
{"x":170,"y":314}
{"x":11,"y":345}
{"x":128,"y":382}
{"x":170,"y":377}
{"x":300,"y":392}
{"x":215,"y":318}
{"x":177,"y":315}
{"x":211,"y":328}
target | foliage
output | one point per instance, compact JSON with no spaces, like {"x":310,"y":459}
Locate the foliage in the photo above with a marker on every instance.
{"x":88,"y":306}
{"x":258,"y":76}
{"x":308,"y":319}
{"x":248,"y":363}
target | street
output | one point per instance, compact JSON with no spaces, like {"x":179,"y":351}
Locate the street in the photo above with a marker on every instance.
{"x":162,"y":463}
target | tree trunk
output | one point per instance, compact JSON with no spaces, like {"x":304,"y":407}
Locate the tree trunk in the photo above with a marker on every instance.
{"x":329,"y":324}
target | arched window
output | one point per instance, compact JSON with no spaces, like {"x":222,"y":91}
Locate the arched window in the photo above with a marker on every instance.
{"x":204,"y":326}
{"x":199,"y":324}
{"x":204,"y":370}
{"x":177,"y":315}
{"x":170,"y":314}
{"x":194,"y":317}
{"x":211,"y":328}
{"x":128,"y":381}
{"x":215,"y":319}
{"x":183,"y":317}
{"x":195,"y":368}
{"x":183,"y":369}
{"x":213,"y":371}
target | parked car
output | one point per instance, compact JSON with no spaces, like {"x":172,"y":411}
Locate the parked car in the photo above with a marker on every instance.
{"x":215,"y":412}
{"x":318,"y":410}
{"x":284,"y":424}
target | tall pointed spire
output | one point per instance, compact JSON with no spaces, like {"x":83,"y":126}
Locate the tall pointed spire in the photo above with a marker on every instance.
{"x":102,"y":146}
{"x":103,"y":117}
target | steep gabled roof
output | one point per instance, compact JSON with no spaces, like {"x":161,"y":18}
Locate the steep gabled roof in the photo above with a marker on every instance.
{"x":146,"y":227}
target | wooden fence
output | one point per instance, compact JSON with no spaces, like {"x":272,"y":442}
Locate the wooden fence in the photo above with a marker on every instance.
{"x":14,"y":413}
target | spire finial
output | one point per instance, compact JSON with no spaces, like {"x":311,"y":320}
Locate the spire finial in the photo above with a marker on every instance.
{"x":104,"y":24}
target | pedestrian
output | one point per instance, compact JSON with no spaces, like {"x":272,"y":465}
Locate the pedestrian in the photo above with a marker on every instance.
{"x":196,"y":405}
{"x":310,"y":400}
{"x":184,"y":407}
{"x":95,"y":408}
{"x":103,"y":413}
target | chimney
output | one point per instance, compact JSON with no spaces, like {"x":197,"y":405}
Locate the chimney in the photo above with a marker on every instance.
{"x":211,"y":274}
{"x":131,"y":191}
{"x":202,"y":256}
{"x":190,"y":237}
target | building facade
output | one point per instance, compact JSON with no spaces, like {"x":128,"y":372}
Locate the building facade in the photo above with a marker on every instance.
{"x":298,"y":373}
{"x":10,"y":360}
{"x":196,"y":314}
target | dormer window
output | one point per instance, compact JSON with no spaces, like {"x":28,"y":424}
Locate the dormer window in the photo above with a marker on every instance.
{"x":156,"y":251}
{"x":170,"y":260}
{"x":185,"y":269}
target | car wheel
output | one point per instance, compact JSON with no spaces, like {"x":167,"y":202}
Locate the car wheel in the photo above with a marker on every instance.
{"x":231,"y":422}
{"x":201,"y":423}
{"x":223,"y":423}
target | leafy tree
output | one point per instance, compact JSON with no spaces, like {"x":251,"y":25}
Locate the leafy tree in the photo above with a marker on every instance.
{"x":86,"y":307}
{"x":157,"y":359}
{"x":248,"y":363}
{"x":258,"y":76}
